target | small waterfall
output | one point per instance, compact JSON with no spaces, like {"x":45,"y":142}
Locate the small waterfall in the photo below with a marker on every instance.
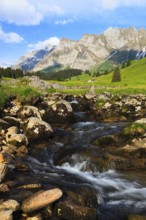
{"x":112,"y":188}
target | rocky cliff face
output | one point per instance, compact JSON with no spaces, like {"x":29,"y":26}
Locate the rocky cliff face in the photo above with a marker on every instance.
{"x":89,"y":50}
{"x":29,"y":60}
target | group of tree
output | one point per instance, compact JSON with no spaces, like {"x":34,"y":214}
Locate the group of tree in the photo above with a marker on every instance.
{"x":60,"y":75}
{"x":11,"y":73}
{"x":126,"y":64}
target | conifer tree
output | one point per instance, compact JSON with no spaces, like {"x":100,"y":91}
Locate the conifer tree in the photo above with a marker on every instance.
{"x":116,"y":75}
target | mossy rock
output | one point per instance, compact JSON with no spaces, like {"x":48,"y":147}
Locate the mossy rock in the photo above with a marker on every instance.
{"x":135,"y":130}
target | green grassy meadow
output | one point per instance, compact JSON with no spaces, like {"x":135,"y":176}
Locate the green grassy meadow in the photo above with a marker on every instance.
{"x":133,"y":80}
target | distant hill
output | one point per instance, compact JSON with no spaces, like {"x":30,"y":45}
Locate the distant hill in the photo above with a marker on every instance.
{"x":114,"y":45}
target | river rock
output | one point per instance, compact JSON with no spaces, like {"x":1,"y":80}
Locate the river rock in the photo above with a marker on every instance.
{"x":106,"y":141}
{"x":4,"y":187}
{"x":41,"y":199}
{"x":71,"y":211}
{"x":10,"y":204}
{"x":35,"y":217}
{"x":28,"y":111}
{"x":22,"y":151}
{"x":59,"y":112}
{"x":6,"y":214}
{"x":84,"y":196}
{"x":3,"y":171}
{"x":141,"y":121}
{"x":136,"y":217}
{"x":36,"y":129}
{"x":4,"y":124}
{"x":12,"y":130}
{"x":17,"y":139}
{"x":12,"y":121}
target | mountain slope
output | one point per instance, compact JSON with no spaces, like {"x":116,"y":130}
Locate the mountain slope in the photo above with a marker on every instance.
{"x":115,"y":44}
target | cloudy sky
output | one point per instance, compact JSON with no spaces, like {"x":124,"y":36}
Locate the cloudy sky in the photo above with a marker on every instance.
{"x":31,"y":24}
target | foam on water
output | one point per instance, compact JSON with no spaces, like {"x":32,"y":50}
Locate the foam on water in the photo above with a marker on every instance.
{"x":112,"y":188}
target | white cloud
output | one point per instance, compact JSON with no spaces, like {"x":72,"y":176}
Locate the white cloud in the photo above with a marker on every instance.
{"x":52,"y":41}
{"x":20,"y":12}
{"x":5,"y":64}
{"x":10,"y":37}
{"x":64,"y":21}
{"x":32,"y":12}
{"x":113,"y":4}
{"x":27,"y":12}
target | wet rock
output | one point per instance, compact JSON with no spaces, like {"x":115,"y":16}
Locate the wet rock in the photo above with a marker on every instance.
{"x":106,"y":141}
{"x":10,"y":149}
{"x":5,"y":157}
{"x":22,"y":151}
{"x":35,"y":217}
{"x":3,"y":171}
{"x":12,"y":121}
{"x":4,"y":124}
{"x":41,"y":199}
{"x":10,"y":205}
{"x":136,"y":217}
{"x":6,"y":214}
{"x":28,"y":111}
{"x":84,"y":196}
{"x":16,"y":139}
{"x":59,"y":112}
{"x":37,"y":129}
{"x":47,"y":211}
{"x":4,"y":187}
{"x":71,"y":211}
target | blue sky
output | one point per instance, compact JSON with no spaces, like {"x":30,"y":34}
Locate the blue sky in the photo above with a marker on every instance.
{"x":31,"y":24}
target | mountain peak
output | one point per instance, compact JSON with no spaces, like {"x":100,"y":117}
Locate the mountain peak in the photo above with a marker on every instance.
{"x":90,"y":50}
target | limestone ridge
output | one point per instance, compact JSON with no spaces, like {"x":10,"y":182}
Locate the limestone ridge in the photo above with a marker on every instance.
{"x":29,"y":60}
{"x":114,"y":44}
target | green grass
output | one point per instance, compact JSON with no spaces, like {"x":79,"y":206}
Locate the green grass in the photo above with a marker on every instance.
{"x":133,"y":80}
{"x":24,"y":93}
{"x":105,"y":66}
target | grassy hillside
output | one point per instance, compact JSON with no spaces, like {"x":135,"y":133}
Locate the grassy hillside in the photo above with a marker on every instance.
{"x":133,"y":80}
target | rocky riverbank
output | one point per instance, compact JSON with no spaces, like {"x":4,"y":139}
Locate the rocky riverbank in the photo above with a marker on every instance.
{"x":37,"y":140}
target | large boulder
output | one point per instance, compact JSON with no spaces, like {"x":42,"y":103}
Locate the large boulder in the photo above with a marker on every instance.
{"x":36,"y":129}
{"x":59,"y":112}
{"x":40,"y":200}
{"x":28,"y":111}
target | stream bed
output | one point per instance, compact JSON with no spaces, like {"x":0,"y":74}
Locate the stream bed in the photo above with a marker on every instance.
{"x":118,"y":193}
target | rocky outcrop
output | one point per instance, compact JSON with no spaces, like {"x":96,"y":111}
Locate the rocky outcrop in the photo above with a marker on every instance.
{"x":37,"y":83}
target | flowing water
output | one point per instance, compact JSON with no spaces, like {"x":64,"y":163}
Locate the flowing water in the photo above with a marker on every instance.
{"x":118,"y":194}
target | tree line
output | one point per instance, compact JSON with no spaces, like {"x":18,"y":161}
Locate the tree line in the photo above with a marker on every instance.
{"x":11,"y":73}
{"x":59,"y":75}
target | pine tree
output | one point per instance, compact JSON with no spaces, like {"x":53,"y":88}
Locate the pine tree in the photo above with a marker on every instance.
{"x":116,"y":75}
